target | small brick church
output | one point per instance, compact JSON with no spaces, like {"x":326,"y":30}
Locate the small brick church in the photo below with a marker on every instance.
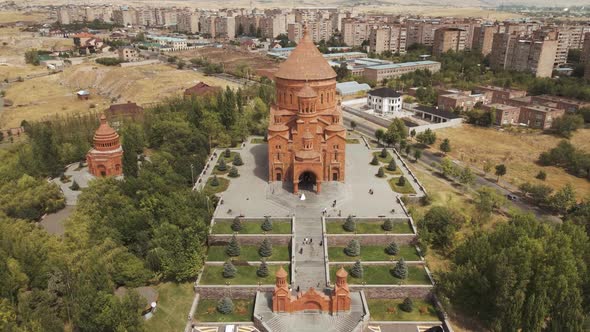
{"x":105,"y":158}
{"x":337,"y":301}
{"x":306,"y":138}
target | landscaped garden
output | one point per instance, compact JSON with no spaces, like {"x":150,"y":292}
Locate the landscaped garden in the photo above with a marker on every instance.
{"x":392,"y":310}
{"x":373,"y":253}
{"x":384,"y":158}
{"x":352,"y":141}
{"x":401,"y":186}
{"x":207,"y":311}
{"x":245,"y":275}
{"x":384,"y":275}
{"x":215,"y":185}
{"x":252,"y":226}
{"x":258,"y":140}
{"x":373,"y":226}
{"x":248,"y":253}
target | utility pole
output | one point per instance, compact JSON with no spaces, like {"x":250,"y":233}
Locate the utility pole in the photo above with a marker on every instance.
{"x":192,"y":175}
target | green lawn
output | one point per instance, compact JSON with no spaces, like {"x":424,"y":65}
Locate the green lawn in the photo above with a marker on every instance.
{"x":207,"y":312}
{"x":405,"y":189}
{"x":396,"y":172}
{"x":373,"y":253}
{"x":352,"y":141}
{"x":246,"y":275}
{"x":381,"y":275}
{"x":385,"y":160}
{"x":257,"y":141}
{"x":249,"y":253}
{"x":173,"y":305}
{"x":218,"y":172}
{"x":210,"y":190}
{"x":389,"y":310}
{"x":369,"y":227}
{"x":252,"y":227}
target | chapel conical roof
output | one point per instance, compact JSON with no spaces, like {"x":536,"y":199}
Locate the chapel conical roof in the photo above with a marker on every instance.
{"x":307,"y":92}
{"x":305,"y":63}
{"x":281,"y":273}
{"x":105,"y":131}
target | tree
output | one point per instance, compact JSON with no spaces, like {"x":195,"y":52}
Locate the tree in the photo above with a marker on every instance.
{"x":262,"y":270}
{"x":357,"y":270}
{"x":392,"y":249}
{"x":445,"y":146}
{"x":229,"y":270}
{"x":266,"y":224}
{"x":398,"y":128}
{"x":466,"y":177}
{"x":380,"y":172}
{"x":353,"y":249}
{"x":222,"y":166}
{"x":439,"y":225}
{"x":564,"y":199}
{"x":349,"y":225}
{"x":32,"y":57}
{"x":487,"y":167}
{"x":567,"y":124}
{"x":180,"y":64}
{"x":238,"y":160}
{"x":383,"y":153}
{"x":387,"y":225}
{"x":392,"y":165}
{"x":400,"y":270}
{"x":265,"y":249}
{"x":413,"y":133}
{"x":500,"y":171}
{"x":353,"y":125}
{"x":401,"y":181}
{"x":233,"y":172}
{"x":417,"y":154}
{"x":407,"y":305}
{"x":486,"y":201}
{"x":233,"y":247}
{"x":375,"y":161}
{"x":227,"y":153}
{"x":541,"y":175}
{"x":448,"y":168}
{"x":408,"y":150}
{"x":427,"y":137}
{"x":379,"y":135}
{"x":214,"y":181}
{"x":236,"y":224}
{"x":225,"y":306}
{"x":75,"y":186}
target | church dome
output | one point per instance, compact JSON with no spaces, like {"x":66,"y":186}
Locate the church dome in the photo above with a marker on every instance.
{"x":307,"y":92}
{"x":105,"y":137}
{"x":305,"y":63}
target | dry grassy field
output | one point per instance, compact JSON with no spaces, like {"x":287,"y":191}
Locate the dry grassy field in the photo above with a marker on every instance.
{"x":518,"y":151}
{"x":55,"y":94}
{"x":230,"y":58}
{"x":15,"y":16}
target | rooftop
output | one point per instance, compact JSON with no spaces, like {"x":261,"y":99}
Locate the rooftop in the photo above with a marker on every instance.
{"x":385,"y":93}
{"x":404,"y":64}
{"x":438,"y":112}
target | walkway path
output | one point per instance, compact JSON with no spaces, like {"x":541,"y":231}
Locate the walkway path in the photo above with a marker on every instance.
{"x":309,"y":258}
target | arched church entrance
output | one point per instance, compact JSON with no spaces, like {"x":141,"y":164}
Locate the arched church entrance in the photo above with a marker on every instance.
{"x":307,"y":181}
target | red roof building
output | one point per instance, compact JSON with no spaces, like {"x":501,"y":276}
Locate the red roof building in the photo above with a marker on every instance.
{"x":105,"y":158}
{"x":201,"y":89}
{"x":306,"y":138}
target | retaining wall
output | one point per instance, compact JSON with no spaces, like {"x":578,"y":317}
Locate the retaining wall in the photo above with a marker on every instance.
{"x":370,"y":239}
{"x":248,"y":239}
{"x":235,"y":292}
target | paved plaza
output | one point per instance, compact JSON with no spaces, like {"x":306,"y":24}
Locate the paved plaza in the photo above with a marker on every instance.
{"x":252,"y":196}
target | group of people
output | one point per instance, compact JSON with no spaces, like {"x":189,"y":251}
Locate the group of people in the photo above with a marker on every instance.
{"x":308,"y":240}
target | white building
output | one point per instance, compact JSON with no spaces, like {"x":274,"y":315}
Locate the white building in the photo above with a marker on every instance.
{"x":384,"y":100}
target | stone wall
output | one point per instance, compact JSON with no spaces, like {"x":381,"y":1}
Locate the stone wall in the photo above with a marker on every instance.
{"x":249,"y":239}
{"x":371,"y":239}
{"x":235,"y":292}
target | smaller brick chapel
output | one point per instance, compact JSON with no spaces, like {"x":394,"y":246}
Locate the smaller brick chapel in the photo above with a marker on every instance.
{"x":337,"y":301}
{"x":105,"y":158}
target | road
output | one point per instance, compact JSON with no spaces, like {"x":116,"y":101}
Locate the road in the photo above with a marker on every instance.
{"x":368,"y":128}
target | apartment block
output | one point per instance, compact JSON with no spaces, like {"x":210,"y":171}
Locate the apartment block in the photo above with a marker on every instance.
{"x":355,"y":32}
{"x":388,"y":38}
{"x":125,"y":17}
{"x":539,"y":116}
{"x":585,"y":56}
{"x":225,"y":27}
{"x":188,"y":22}
{"x":273,"y":26}
{"x":319,"y":30}
{"x":511,"y":52}
{"x":483,"y":37}
{"x":208,"y":25}
{"x":449,"y":39}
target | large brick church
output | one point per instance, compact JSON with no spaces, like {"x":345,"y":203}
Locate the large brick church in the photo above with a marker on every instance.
{"x":306,"y":138}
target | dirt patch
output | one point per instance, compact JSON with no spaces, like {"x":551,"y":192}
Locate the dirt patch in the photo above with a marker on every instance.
{"x":230,"y":58}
